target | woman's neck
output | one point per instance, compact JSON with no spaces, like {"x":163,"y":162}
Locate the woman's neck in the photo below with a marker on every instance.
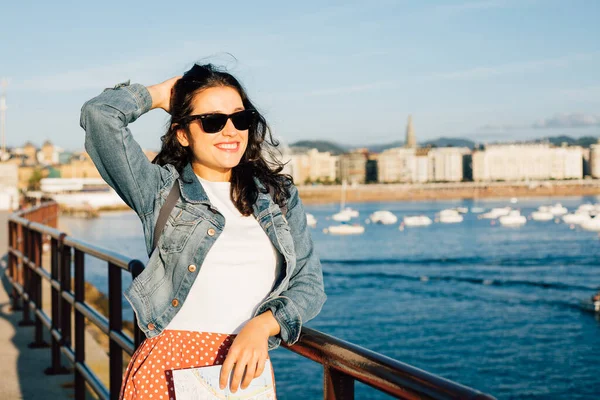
{"x":210,"y":174}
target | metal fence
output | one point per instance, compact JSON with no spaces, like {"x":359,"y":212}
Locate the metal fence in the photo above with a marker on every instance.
{"x":33,"y":231}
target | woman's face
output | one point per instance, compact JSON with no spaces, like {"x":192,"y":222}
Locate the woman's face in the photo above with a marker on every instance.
{"x":215,"y":154}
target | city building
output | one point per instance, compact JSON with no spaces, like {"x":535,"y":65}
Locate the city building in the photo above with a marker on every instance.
{"x":353,"y":166}
{"x":30,"y":151}
{"x":518,"y":162}
{"x":322,"y":166}
{"x":595,"y":160}
{"x":49,"y":154}
{"x":397,"y":165}
{"x":296,"y":164}
{"x":446,"y":164}
{"x":80,"y":166}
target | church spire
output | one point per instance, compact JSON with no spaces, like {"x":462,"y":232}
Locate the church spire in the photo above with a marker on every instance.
{"x":411,"y":141}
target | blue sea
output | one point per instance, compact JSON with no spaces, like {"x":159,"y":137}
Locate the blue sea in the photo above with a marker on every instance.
{"x":490,"y":307}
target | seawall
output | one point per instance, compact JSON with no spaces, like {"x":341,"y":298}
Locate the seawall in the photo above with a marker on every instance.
{"x":322,"y":194}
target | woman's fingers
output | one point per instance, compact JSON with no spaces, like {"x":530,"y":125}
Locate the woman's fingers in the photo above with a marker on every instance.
{"x":260,"y":367}
{"x":238,"y":373}
{"x":226,"y":369}
{"x":250,"y":372}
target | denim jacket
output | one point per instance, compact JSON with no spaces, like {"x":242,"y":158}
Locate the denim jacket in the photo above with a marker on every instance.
{"x":194,"y":224}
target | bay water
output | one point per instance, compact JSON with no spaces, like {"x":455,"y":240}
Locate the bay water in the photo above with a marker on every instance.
{"x":495,"y":308}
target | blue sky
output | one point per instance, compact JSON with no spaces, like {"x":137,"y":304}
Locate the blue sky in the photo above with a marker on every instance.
{"x":349,"y":72}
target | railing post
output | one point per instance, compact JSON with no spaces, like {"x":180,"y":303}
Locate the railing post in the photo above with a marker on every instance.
{"x":12,"y":265}
{"x":115,"y":323}
{"x":56,"y":367}
{"x":79,"y":324}
{"x":337,"y":385}
{"x":65,"y":287}
{"x":26,"y":277}
{"x":36,"y":282}
{"x":136,"y":267}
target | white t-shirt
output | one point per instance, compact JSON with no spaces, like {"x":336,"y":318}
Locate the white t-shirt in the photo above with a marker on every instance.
{"x":238,"y":273}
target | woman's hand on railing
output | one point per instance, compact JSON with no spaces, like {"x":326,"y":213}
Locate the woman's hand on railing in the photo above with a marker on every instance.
{"x":249,"y":352}
{"x":161,"y":93}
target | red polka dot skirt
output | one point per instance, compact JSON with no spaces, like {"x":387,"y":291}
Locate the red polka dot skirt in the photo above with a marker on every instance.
{"x":149,"y":376}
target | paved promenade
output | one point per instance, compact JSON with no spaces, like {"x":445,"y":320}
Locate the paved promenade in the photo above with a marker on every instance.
{"x":21,"y":368}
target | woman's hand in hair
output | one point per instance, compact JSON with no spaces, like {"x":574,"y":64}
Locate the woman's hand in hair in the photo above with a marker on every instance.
{"x":249,"y":352}
{"x":161,"y":93}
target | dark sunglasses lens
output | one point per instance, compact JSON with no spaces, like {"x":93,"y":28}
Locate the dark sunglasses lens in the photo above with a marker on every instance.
{"x":214,"y":123}
{"x":243,"y":119}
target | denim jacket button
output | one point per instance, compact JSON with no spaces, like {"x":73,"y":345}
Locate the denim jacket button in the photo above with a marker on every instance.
{"x":211,"y":232}
{"x":192,"y":268}
{"x":151,"y":326}
{"x":175,"y":302}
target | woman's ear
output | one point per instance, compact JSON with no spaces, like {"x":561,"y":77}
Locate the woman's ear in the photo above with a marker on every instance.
{"x":182,"y":137}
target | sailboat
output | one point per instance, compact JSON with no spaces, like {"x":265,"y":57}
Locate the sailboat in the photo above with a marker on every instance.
{"x":344,"y":216}
{"x":346,"y":213}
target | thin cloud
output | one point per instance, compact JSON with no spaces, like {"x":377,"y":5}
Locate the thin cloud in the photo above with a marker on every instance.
{"x":572,"y":120}
{"x":558,"y":121}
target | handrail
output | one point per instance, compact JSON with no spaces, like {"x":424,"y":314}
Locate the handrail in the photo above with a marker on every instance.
{"x":343,"y":362}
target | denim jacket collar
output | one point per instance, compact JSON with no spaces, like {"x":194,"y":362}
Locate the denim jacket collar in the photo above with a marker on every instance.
{"x":191,"y":188}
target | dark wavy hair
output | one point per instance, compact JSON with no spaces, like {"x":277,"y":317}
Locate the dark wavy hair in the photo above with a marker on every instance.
{"x":259,"y":159}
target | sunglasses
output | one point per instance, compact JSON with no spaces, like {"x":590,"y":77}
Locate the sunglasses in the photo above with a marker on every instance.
{"x":215,"y":122}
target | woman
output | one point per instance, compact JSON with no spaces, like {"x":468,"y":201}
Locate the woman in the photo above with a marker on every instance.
{"x":231,"y":276}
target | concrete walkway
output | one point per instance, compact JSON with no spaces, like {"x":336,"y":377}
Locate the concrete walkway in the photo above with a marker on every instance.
{"x":21,"y":368}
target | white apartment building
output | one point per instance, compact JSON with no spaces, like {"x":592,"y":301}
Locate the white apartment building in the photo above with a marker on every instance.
{"x":446,"y":164}
{"x":322,"y":166}
{"x":443,"y":164}
{"x":397,"y":165}
{"x":595,"y":160}
{"x":518,"y":162}
{"x":310,"y":166}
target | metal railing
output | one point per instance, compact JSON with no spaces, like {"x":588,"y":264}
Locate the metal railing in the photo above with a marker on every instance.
{"x":32,"y":230}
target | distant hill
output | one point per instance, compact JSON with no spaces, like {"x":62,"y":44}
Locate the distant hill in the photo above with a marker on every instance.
{"x":441,"y":142}
{"x":335,"y":148}
{"x":321,"y":145}
{"x":449,"y":142}
{"x":378,"y":148}
{"x":584,"y":141}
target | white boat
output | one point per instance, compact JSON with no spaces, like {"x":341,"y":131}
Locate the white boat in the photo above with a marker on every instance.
{"x":342,"y":216}
{"x":477,"y":210}
{"x":311,"y":220}
{"x":417,"y":220}
{"x":542,"y":216}
{"x":351,"y":212}
{"x":576,"y":218}
{"x":513,"y":219}
{"x":587,"y":208}
{"x":450,"y":216}
{"x":558,"y":209}
{"x":592,"y":224}
{"x":462,"y":210}
{"x":514,"y":200}
{"x":346,"y":213}
{"x":345,"y":229}
{"x":383,"y":217}
{"x":496,"y":213}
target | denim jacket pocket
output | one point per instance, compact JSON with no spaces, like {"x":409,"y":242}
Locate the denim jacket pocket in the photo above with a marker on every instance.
{"x":180,"y":226}
{"x":152,"y":276}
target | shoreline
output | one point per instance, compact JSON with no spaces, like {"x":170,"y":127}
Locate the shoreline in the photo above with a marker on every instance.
{"x":447,"y":191}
